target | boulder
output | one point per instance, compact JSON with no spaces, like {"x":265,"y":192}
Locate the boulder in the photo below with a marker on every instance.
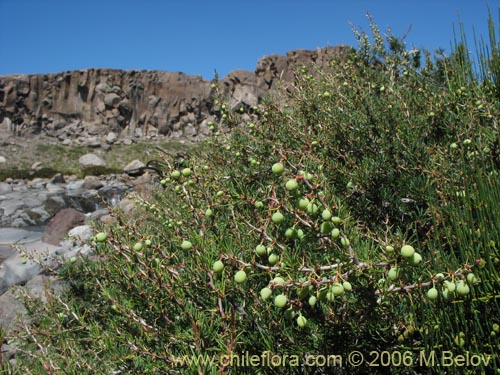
{"x":60,"y":224}
{"x":91,"y":160}
{"x":3,"y":160}
{"x":134,"y":164}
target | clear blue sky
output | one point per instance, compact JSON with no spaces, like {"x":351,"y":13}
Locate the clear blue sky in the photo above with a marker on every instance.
{"x":199,"y":37}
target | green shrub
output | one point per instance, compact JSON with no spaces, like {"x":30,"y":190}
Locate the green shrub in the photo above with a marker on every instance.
{"x":394,"y":191}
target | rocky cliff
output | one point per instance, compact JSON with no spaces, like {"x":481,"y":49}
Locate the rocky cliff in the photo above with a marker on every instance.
{"x":90,"y":103}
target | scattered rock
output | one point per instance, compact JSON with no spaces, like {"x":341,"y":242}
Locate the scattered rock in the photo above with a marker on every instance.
{"x":3,"y":160}
{"x":134,"y":164}
{"x":60,"y":224}
{"x":92,"y":183}
{"x":111,"y":138}
{"x":58,"y":179}
{"x":91,"y":160}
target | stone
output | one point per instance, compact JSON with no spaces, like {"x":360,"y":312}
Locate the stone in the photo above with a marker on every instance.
{"x":60,"y":224}
{"x":111,"y":138}
{"x":5,"y":188}
{"x":58,"y":179}
{"x":11,"y":307}
{"x":3,"y":159}
{"x":134,"y":164}
{"x":91,"y":160}
{"x":92,"y":183}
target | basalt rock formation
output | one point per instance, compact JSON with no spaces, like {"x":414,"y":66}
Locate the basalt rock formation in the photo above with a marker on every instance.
{"x":87,"y":103}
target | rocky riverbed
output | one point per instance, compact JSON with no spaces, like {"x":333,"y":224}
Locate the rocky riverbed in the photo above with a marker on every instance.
{"x":44,"y":222}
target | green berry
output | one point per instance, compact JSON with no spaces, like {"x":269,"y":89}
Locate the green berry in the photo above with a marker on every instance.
{"x":462,"y":288}
{"x":326,"y":214}
{"x":175,"y":175}
{"x":147,"y":242}
{"x":335,"y":232}
{"x":258,"y":204}
{"x":393,"y":273}
{"x":101,"y":237}
{"x":278,"y":280}
{"x":450,"y":286}
{"x":208,"y":212}
{"x":301,"y":321}
{"x":218,"y":266}
{"x":415,"y":259}
{"x":336,"y":220}
{"x":277,"y":218}
{"x":389,"y":249}
{"x":273,"y":259}
{"x":138,"y":246}
{"x":432,"y":294}
{"x":265,"y":293}
{"x":345,"y":241}
{"x":407,"y":251}
{"x":312,"y":209}
{"x":291,"y":185}
{"x":72,"y":260}
{"x":278,"y":168}
{"x":312,"y":301}
{"x":240,"y":276}
{"x":280,"y":300}
{"x":326,"y":227}
{"x":186,"y":245}
{"x":303,"y":203}
{"x":347,"y":286}
{"x":260,"y":250}
{"x":337,"y":289}
{"x":439,"y":276}
{"x":472,"y":279}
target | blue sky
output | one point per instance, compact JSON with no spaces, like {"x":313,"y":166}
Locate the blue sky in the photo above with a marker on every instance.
{"x":199,"y":37}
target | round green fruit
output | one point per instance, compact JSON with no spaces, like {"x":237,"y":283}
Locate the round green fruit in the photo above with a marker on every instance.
{"x":147,"y":242}
{"x":345,"y":241}
{"x":265,"y":293}
{"x":450,"y":286}
{"x":312,"y":209}
{"x":472,"y":279}
{"x":337,"y":289}
{"x":186,"y":172}
{"x":303,"y":203}
{"x":393,"y":273}
{"x":335,"y":232}
{"x":301,"y":321}
{"x":138,"y":246}
{"x":101,"y":237}
{"x":278,"y":280}
{"x":291,"y":185}
{"x":312,"y":301}
{"x":439,"y":276}
{"x":347,"y":286}
{"x":258,"y":204}
{"x":407,"y":251}
{"x":186,"y":245}
{"x":273,"y":259}
{"x":72,"y":260}
{"x":278,"y":168}
{"x":462,"y":288}
{"x":208,"y":212}
{"x":218,"y":266}
{"x":326,"y":214}
{"x":291,"y":233}
{"x":240,"y":276}
{"x":277,"y":218}
{"x":289,"y":313}
{"x":280,"y":300}
{"x":389,"y":249}
{"x":415,"y":260}
{"x":175,"y":175}
{"x":326,"y":227}
{"x":432,"y":294}
{"x":260,"y":250}
{"x":336,"y":220}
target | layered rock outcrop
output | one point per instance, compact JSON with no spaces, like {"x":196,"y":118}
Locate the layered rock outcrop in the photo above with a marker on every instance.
{"x":92,"y":102}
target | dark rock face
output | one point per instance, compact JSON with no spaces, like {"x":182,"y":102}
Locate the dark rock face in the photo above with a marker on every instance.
{"x":93,"y":102}
{"x":60,"y":225}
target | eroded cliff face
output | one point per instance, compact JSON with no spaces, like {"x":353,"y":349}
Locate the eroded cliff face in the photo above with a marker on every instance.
{"x":85,"y":103}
